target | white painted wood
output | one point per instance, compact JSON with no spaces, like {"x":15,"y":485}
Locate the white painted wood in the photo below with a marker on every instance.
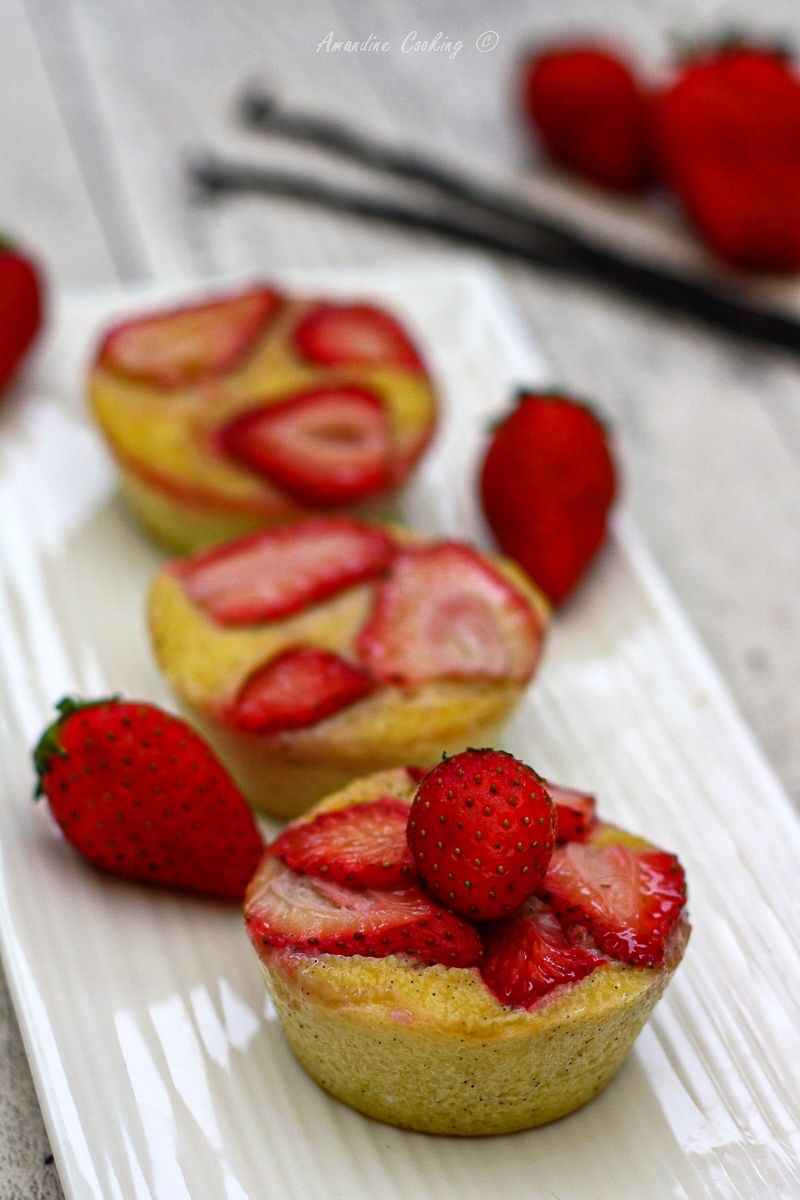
{"x":45,"y":203}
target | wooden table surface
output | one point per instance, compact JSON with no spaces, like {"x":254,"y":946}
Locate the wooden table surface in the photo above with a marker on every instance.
{"x":103,"y":102}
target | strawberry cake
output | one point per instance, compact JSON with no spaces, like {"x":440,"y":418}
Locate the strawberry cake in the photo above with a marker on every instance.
{"x":406,"y":1004}
{"x":253,"y":408}
{"x":316,"y":652}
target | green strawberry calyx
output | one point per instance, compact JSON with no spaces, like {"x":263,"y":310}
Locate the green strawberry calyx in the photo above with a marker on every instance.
{"x":49,"y":745}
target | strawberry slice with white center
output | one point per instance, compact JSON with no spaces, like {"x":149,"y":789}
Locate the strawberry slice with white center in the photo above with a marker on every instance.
{"x":279,"y":572}
{"x":326,"y":446}
{"x":574,"y":812}
{"x":298,"y":688}
{"x":629,"y":900}
{"x":527,"y":955}
{"x":444,"y":613}
{"x":363,"y":845}
{"x":317,"y":916}
{"x":355,"y":335}
{"x":170,"y":349}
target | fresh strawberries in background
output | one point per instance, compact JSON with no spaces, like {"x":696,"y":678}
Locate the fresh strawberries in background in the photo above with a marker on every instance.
{"x":727,"y":138}
{"x":736,"y":104}
{"x":590,"y":113}
{"x":547,"y":484}
{"x":139,"y":794}
{"x":20,"y":310}
{"x":482,"y":829}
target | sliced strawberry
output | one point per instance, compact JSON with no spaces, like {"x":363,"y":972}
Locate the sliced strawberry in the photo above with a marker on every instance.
{"x":327,"y":446}
{"x":321,"y":917}
{"x":574,"y":812}
{"x":298,"y":688}
{"x":444,"y":613}
{"x":527,"y":955}
{"x":628,"y":900}
{"x":278,"y":573}
{"x":363,"y":846}
{"x":355,"y":335}
{"x":173,"y":348}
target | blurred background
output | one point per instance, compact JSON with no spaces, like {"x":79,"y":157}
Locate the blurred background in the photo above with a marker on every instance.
{"x":106,"y":103}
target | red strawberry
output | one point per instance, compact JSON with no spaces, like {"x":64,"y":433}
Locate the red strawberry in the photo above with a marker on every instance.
{"x":443,"y":612}
{"x":297,"y":688}
{"x":20,"y":310}
{"x":138,"y":793}
{"x":547,"y":484}
{"x":628,"y":900}
{"x":748,"y":218}
{"x":170,"y":349}
{"x":278,"y":573}
{"x":355,"y":335}
{"x":727,"y":133}
{"x":527,"y":955}
{"x":737,"y":106}
{"x":481,"y":830}
{"x":363,"y":845}
{"x":574,"y":812}
{"x":591,"y":114}
{"x":326,"y":446}
{"x":320,"y":917}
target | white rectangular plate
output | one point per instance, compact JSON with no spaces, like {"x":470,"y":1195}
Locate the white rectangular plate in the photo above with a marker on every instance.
{"x":160,"y":1066}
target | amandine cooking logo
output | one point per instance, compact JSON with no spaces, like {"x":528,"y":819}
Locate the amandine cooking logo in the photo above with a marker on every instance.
{"x":413,"y":43}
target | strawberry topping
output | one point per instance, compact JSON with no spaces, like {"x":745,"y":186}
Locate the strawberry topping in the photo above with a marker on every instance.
{"x":321,"y":917}
{"x":170,"y":349}
{"x":574,"y":812}
{"x":527,"y":955}
{"x":481,"y":830}
{"x":363,"y":846}
{"x":298,"y":688}
{"x":355,"y":335}
{"x":326,"y":446}
{"x":629,"y":901}
{"x":278,"y":573}
{"x":444,"y":613}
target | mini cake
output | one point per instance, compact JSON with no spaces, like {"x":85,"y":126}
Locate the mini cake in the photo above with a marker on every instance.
{"x":251,"y":409}
{"x":419,"y":1017}
{"x":317,"y":652}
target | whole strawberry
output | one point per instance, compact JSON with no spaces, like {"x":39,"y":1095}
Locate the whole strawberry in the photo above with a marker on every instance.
{"x":20,"y":309}
{"x":138,"y":793}
{"x":481,"y":830}
{"x":590,"y":113}
{"x":727,"y":136}
{"x":547,"y":484}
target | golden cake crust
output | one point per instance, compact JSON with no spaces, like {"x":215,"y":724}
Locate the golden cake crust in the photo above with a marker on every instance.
{"x":430,"y":1048}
